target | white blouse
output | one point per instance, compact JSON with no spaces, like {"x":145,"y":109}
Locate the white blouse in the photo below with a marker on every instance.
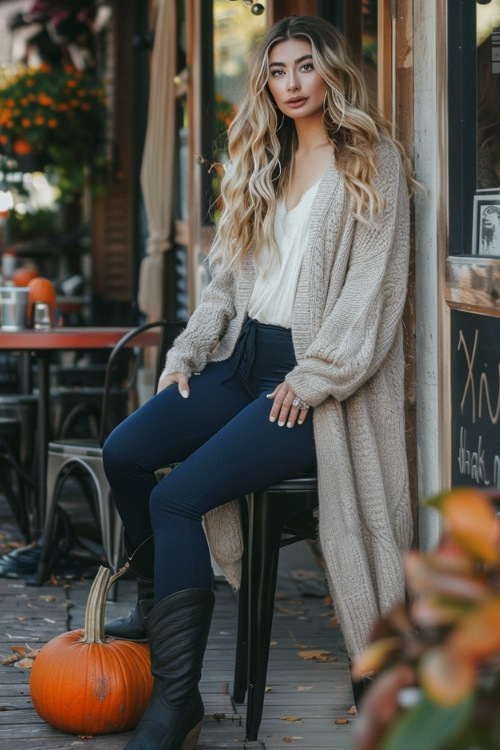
{"x":273,"y":294}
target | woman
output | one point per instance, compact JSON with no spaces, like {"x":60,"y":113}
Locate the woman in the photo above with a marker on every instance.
{"x":303,"y":316}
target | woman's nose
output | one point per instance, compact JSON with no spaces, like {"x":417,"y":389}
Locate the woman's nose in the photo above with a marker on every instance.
{"x":293,"y":83}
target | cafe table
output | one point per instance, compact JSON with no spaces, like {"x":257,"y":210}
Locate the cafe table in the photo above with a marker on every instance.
{"x":43,"y":344}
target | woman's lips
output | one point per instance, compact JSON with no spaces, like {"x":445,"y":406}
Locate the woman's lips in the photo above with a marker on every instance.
{"x":294,"y":103}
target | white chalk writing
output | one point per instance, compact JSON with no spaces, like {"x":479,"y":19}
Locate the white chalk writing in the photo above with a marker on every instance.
{"x":484,"y":384}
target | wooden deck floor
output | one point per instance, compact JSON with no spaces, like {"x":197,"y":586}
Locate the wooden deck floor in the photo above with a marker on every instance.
{"x":305,"y":697}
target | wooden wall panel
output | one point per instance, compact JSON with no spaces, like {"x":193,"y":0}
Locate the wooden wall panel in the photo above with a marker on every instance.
{"x":112,"y":246}
{"x":113,"y":223}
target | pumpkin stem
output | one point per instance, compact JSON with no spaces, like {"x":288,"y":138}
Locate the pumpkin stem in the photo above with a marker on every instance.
{"x":96,"y":604}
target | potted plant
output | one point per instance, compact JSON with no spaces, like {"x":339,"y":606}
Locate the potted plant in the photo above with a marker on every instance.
{"x":54,"y":114}
{"x":445,"y":643}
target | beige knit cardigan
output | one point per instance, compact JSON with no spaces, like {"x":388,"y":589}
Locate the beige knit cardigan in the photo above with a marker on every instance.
{"x":347,"y":336}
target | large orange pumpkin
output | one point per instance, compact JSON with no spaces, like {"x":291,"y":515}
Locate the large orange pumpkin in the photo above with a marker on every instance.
{"x":86,"y":684}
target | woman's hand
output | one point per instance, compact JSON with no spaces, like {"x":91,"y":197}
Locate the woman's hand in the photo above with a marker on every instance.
{"x":287,"y":407}
{"x":167,"y":379}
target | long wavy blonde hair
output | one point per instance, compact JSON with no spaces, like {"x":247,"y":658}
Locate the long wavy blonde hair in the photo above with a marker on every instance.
{"x":262,"y":141}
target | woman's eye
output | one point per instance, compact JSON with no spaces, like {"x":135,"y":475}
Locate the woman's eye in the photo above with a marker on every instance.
{"x":276,"y":73}
{"x":307,"y":67}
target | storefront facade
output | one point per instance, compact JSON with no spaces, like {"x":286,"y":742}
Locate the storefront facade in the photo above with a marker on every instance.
{"x":434,"y":70}
{"x":174,"y":72}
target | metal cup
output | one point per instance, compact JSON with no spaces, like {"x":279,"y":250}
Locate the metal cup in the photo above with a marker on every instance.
{"x":13,"y":306}
{"x":41,"y":316}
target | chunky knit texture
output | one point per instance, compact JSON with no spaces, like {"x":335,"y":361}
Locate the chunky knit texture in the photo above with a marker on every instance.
{"x":347,"y":336}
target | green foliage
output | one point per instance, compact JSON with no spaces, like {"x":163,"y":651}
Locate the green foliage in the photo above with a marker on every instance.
{"x":33,"y":225}
{"x":429,"y":726}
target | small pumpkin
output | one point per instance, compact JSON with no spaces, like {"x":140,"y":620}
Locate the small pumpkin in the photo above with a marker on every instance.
{"x":87,"y":684}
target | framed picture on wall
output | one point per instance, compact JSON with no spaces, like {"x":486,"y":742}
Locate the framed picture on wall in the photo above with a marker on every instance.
{"x":486,"y":224}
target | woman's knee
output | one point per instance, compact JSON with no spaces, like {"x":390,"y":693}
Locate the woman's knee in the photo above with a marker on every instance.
{"x":118,"y":450}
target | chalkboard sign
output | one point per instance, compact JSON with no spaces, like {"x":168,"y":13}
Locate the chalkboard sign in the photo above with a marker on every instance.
{"x":475,"y":397}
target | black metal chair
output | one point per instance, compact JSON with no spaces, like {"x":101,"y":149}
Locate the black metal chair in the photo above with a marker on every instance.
{"x":279,"y":515}
{"x":14,"y":480}
{"x":82,"y":460}
{"x":22,"y":409}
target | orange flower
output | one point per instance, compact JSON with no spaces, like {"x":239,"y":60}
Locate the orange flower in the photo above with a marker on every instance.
{"x":26,"y":123}
{"x":22,"y":147}
{"x":30,"y":82}
{"x":45,"y":100}
{"x":71,"y":84}
{"x":39,"y":120}
{"x":52,"y":123}
{"x":3,"y":139}
{"x":63,"y":107}
{"x":5,"y":116}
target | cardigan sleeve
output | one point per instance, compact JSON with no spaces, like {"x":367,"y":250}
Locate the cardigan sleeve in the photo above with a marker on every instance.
{"x":357,"y":333}
{"x":206,"y":326}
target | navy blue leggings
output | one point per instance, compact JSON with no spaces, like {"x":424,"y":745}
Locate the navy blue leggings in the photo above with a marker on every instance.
{"x":227,"y":446}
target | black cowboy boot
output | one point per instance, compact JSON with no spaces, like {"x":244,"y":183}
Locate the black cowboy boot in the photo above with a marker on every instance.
{"x":177,"y":629}
{"x":131,"y":627}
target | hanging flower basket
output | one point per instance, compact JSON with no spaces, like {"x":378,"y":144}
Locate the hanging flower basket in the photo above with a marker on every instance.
{"x":55,"y":114}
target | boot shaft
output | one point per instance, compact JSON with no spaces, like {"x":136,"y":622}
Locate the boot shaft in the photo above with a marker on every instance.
{"x":178,"y":629}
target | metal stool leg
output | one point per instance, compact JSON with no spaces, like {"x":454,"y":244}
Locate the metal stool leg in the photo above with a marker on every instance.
{"x":264,"y":545}
{"x":240,"y":681}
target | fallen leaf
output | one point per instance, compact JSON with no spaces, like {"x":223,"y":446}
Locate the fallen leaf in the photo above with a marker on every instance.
{"x":20,"y":619}
{"x":48,"y":597}
{"x":273,"y":643}
{"x":318,"y":655}
{"x":268,"y":690}
{"x":287,"y":739}
{"x":24,"y":663}
{"x":290,"y":718}
{"x":10,"y":659}
{"x":341,"y":721}
{"x":285,"y":611}
{"x":352,"y":711}
{"x":303,"y":688}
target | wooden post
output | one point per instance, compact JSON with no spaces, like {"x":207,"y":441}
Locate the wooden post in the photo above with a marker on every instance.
{"x":403,"y":123}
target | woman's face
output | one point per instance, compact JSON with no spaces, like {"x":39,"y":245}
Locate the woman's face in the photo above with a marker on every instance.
{"x":297,"y":88}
